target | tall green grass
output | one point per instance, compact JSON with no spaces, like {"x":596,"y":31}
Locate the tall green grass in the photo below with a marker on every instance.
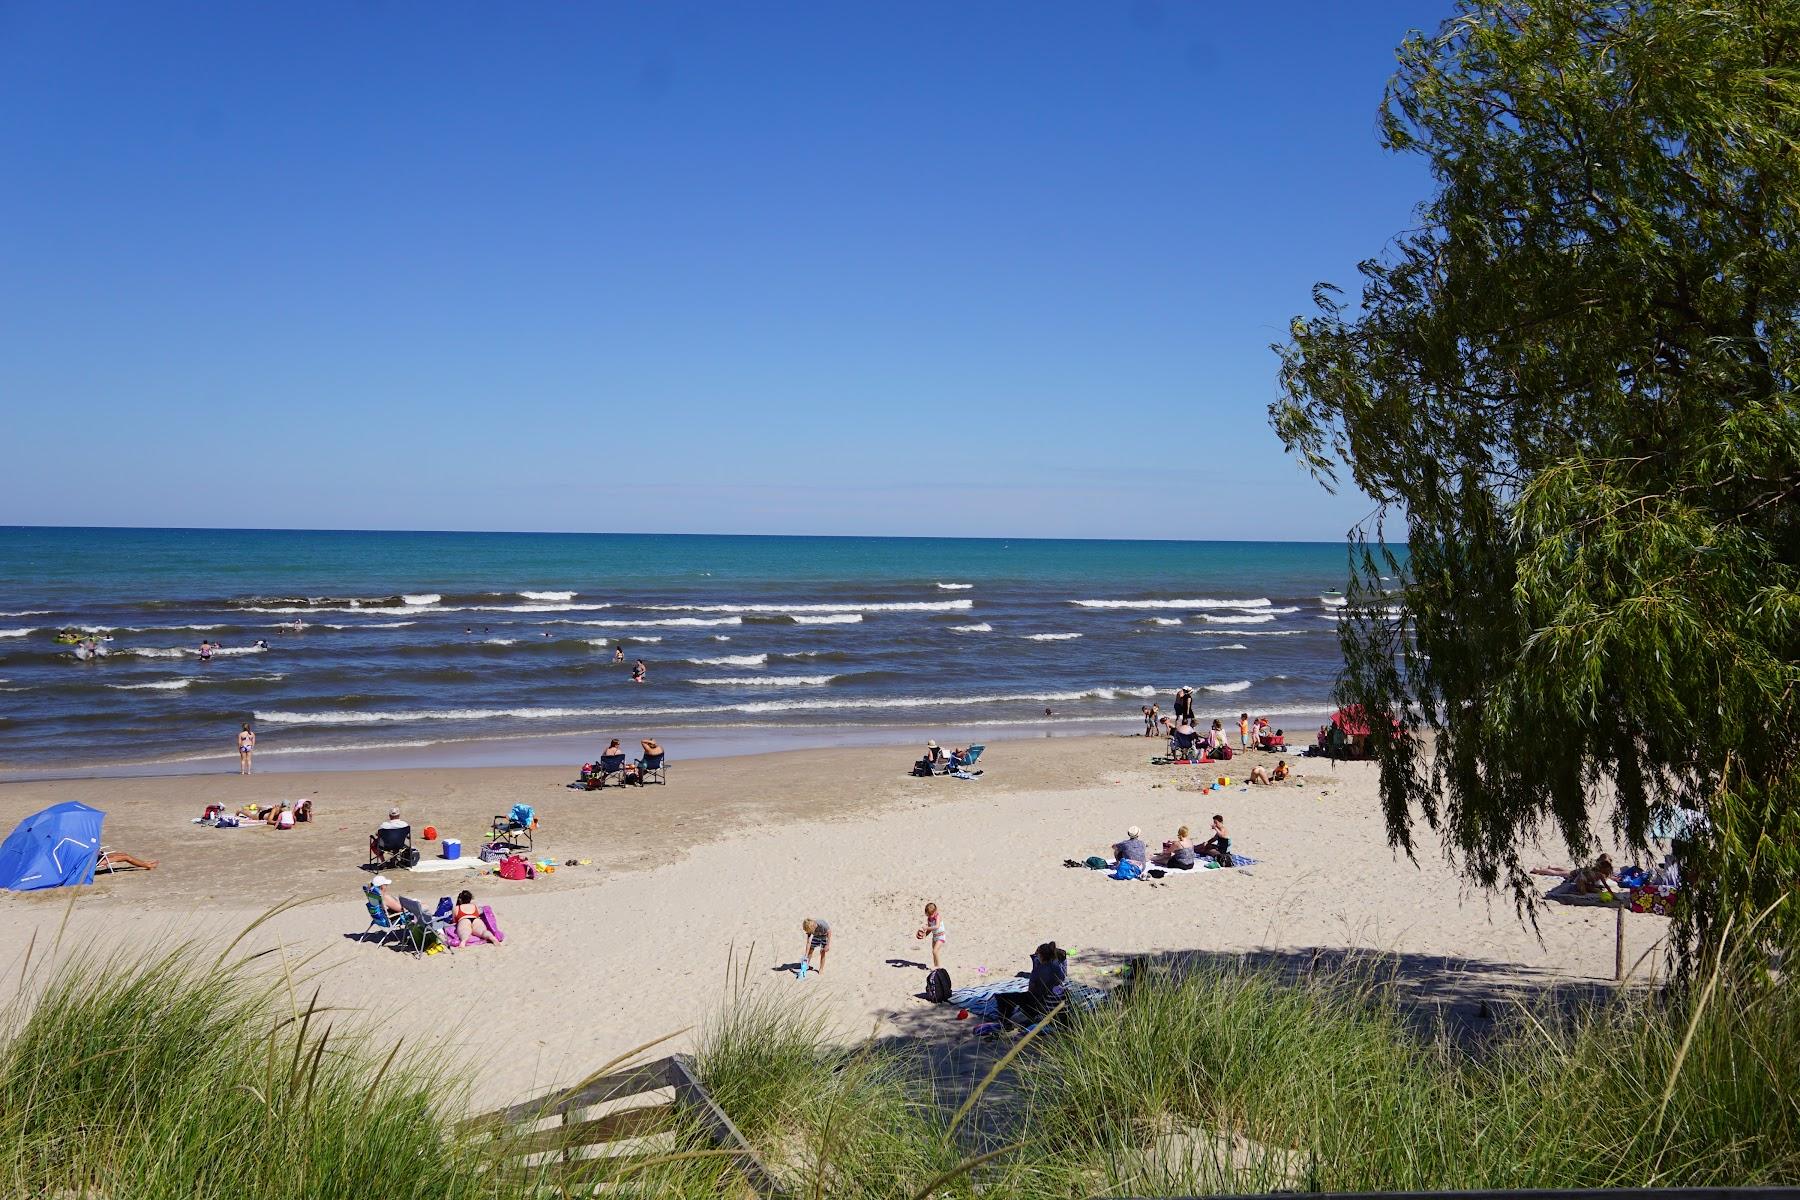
{"x":182,"y":1075}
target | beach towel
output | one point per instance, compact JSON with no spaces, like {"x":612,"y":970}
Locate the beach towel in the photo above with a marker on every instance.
{"x":981,"y":998}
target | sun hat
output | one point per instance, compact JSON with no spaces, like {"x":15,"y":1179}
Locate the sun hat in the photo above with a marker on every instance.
{"x":393,"y":812}
{"x":380,"y":881}
{"x":930,"y":745}
{"x":1133,"y":831}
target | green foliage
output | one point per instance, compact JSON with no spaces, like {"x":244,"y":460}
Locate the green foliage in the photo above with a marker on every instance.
{"x":1575,"y":384}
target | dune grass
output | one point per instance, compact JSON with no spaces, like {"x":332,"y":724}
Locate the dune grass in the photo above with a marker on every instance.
{"x":181,"y":1075}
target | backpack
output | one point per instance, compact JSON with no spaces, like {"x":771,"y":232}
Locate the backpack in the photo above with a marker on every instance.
{"x":937,"y":986}
{"x":409,"y":857}
{"x":515,"y":867}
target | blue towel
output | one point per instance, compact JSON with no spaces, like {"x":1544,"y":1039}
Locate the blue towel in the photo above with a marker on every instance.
{"x":1244,"y":860}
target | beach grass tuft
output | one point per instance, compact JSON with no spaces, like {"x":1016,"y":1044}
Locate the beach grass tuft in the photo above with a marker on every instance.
{"x":180,"y":1074}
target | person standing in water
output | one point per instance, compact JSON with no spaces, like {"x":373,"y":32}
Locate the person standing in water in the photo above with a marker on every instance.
{"x":638,"y":671}
{"x":206,"y":650}
{"x":246,"y":747}
{"x":619,"y":652}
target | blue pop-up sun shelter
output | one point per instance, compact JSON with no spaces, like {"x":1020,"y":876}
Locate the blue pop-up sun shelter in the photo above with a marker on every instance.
{"x":53,"y":848}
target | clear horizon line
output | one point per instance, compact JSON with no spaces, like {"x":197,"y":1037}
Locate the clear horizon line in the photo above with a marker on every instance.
{"x":674,"y":533}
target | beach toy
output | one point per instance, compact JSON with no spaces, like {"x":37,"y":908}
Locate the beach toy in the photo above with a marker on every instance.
{"x":801,"y":973}
{"x":430,"y":834}
{"x":962,"y":1014}
{"x":1224,"y":781}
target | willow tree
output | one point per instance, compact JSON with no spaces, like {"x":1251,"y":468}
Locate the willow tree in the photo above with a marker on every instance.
{"x":1572,"y":386}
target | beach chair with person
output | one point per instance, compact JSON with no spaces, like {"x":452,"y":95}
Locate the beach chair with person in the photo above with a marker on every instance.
{"x":653,"y":767}
{"x":409,"y":924}
{"x":391,"y":846}
{"x":959,"y":760}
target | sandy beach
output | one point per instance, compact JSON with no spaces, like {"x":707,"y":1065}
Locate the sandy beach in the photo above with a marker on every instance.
{"x":717,"y":869}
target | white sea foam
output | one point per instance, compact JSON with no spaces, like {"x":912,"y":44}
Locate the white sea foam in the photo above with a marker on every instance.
{"x":889,"y":606}
{"x":721,"y":637}
{"x":1246,"y":632}
{"x":665,"y":621}
{"x":232,"y":651}
{"x":420,"y":599}
{"x":1239,"y":686}
{"x":829,"y":619}
{"x":500,"y":641}
{"x":956,"y":587}
{"x":179,"y":651}
{"x":1051,"y":637}
{"x":981,"y":627}
{"x":1248,"y":619}
{"x":1232,"y":646}
{"x":1333,"y":601}
{"x":768,"y":681}
{"x":18,"y":632}
{"x":732,"y":660}
{"x":642,"y":638}
{"x":369,"y":625}
{"x":1260,"y":602}
{"x":548,"y":595}
{"x":161,"y":685}
{"x":169,"y":628}
{"x":27,"y":612}
{"x":1279,"y":611}
{"x":1165,"y":620}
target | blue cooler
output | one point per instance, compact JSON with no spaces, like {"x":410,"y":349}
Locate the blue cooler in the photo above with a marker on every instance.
{"x":452,"y":848}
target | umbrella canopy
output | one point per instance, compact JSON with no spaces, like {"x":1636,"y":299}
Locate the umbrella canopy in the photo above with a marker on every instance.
{"x":53,"y":848}
{"x":1352,"y":720}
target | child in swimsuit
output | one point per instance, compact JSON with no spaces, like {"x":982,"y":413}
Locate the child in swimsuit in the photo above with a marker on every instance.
{"x":936,"y":930}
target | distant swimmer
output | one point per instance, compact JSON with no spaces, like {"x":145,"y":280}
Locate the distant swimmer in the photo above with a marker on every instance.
{"x":261,"y":644}
{"x":206,"y":650}
{"x":1048,"y":713}
{"x":639,"y":671}
{"x":619,"y":653}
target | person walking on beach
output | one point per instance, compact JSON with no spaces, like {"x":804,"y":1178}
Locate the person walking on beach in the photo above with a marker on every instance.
{"x":246,"y":747}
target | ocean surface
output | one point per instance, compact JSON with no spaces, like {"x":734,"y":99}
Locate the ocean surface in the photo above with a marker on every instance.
{"x":437,"y":644}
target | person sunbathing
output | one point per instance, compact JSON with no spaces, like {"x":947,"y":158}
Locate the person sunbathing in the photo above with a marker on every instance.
{"x":273,"y":816}
{"x":113,"y":860}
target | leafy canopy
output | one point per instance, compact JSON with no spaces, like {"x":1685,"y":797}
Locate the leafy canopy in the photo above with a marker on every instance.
{"x":1574,"y":383}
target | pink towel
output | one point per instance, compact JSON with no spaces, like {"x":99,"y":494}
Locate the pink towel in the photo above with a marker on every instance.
{"x":487,"y":916}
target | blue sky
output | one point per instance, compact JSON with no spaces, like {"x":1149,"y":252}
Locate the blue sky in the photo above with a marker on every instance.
{"x":923,"y":268}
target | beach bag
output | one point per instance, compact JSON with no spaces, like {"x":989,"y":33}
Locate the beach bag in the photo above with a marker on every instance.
{"x":1222,"y":752}
{"x":937,"y":986}
{"x":1127,"y":870}
{"x":515,"y":867}
{"x":409,"y":857}
{"x":1096,"y":863}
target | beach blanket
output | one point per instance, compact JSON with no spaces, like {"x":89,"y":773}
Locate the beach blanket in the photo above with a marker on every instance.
{"x":427,"y":865}
{"x":982,"y":999}
{"x":1206,"y":867}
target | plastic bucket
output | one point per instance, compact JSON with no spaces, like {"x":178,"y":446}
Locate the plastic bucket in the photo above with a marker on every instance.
{"x":452,"y":848}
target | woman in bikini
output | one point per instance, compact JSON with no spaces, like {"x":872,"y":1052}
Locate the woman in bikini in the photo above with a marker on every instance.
{"x":467,"y":918}
{"x":246,"y":748}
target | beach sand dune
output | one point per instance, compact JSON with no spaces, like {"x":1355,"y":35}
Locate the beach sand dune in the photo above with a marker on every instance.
{"x":709,"y":877}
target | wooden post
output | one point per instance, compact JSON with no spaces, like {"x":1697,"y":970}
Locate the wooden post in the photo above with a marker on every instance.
{"x":1619,"y":944}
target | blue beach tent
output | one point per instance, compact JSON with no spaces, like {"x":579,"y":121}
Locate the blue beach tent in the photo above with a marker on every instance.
{"x":53,"y":848}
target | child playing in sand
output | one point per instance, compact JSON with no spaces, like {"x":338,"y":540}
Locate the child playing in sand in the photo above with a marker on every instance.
{"x":936,"y":929}
{"x":818,"y":937}
{"x":469,"y":922}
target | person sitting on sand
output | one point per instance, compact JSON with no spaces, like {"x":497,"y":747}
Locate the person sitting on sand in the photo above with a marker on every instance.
{"x":470,"y":925}
{"x":1179,"y":854}
{"x":303,"y":810}
{"x":1217,"y":734}
{"x":818,"y":937}
{"x":113,"y":860}
{"x":1597,"y":878}
{"x":1281,"y":771}
{"x":279,"y":817}
{"x":1131,"y":848}
{"x":1218,"y":846}
{"x":1049,"y":980}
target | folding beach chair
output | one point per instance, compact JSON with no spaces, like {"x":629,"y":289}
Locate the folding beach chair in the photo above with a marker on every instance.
{"x":513,"y":830}
{"x":970,"y":758}
{"x":392,"y":848}
{"x":609,"y":770}
{"x":388,"y":926}
{"x":652,"y":768}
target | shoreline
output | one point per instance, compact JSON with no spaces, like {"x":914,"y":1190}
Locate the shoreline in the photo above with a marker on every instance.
{"x":724,"y":740}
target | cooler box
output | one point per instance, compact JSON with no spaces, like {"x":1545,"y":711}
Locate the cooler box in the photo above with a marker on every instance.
{"x":452,"y":848}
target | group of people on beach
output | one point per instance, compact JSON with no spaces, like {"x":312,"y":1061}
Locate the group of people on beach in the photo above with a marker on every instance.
{"x":1179,"y":853}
